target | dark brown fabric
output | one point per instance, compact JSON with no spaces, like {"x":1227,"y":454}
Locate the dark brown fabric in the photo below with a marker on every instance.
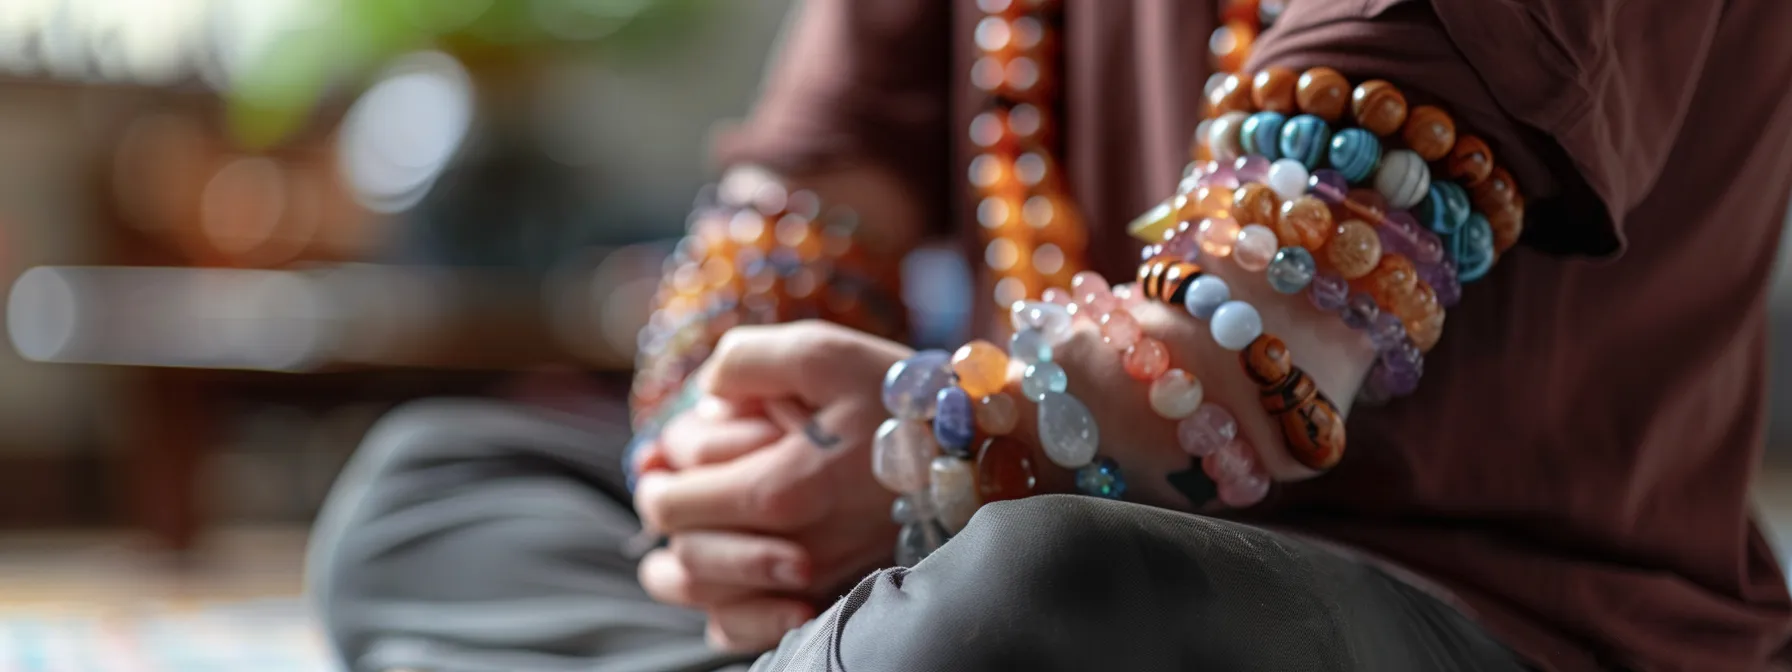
{"x":1576,"y":464}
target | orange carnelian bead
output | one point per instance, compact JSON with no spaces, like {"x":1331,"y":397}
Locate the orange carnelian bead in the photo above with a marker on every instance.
{"x":1211,"y":202}
{"x":1425,"y":331}
{"x":1470,"y":160}
{"x":1305,"y":222}
{"x":1255,"y":203}
{"x":1430,"y":132}
{"x":1272,"y":90}
{"x":1353,"y":250}
{"x":1232,"y":94}
{"x":1495,"y":192}
{"x":1240,"y":10}
{"x":1508,"y":225}
{"x":1379,"y":107}
{"x":1147,"y":359}
{"x":982,"y":368}
{"x":1217,"y":235}
{"x":1230,"y":45}
{"x":1322,"y":92}
{"x":1394,"y":277}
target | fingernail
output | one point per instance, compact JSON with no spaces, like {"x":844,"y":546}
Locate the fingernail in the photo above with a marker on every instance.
{"x":789,"y":574}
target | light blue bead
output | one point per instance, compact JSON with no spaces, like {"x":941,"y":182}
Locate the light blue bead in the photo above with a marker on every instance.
{"x":1354,"y":154}
{"x":1043,"y":377}
{"x":912,"y":385}
{"x":1235,"y":325}
{"x":954,"y":421}
{"x":1049,"y":318}
{"x":1101,"y":478}
{"x":1261,"y":133}
{"x":1291,"y":269}
{"x":1067,"y":431}
{"x":1205,"y":295}
{"x":1304,"y":139}
{"x":1445,"y":208}
{"x":1472,"y":248}
{"x":917,"y":540}
{"x":1029,"y":346}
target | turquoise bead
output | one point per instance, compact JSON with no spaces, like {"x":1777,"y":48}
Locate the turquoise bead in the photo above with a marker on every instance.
{"x":1101,"y":478}
{"x":1355,"y":153}
{"x":1067,"y":430}
{"x":1304,"y":139}
{"x":1260,"y":134}
{"x":912,"y":385}
{"x":1445,"y":208}
{"x":1029,"y":345}
{"x":1472,"y":248}
{"x":1041,"y":378}
{"x":954,"y":421}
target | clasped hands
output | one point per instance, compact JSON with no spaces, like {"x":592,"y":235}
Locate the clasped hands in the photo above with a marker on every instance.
{"x":771,"y":514}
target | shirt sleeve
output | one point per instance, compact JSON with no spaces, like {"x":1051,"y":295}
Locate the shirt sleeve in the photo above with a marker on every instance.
{"x":1506,"y":72}
{"x":856,"y":82}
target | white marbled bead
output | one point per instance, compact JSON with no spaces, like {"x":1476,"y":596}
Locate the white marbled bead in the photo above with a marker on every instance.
{"x":1067,"y":430}
{"x":1403,"y":178}
{"x":1236,"y":324}
{"x":1288,"y":178}
{"x":954,"y":492}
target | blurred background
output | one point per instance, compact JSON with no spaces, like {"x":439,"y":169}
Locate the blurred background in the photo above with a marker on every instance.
{"x":235,"y":232}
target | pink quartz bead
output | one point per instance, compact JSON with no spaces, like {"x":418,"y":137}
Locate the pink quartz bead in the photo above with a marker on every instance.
{"x":1127,"y":295}
{"x":1147,"y":359}
{"x":1099,"y":305}
{"x":1176,"y":394}
{"x":1245,"y":491}
{"x":1255,"y":247}
{"x":1227,"y":464}
{"x":1182,"y":246}
{"x":1087,"y":287}
{"x":1057,"y":296}
{"x":1217,"y":235}
{"x":1119,"y":330}
{"x":1206,"y":430}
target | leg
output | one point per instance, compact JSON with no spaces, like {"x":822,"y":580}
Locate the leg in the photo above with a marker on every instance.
{"x":1075,"y":583}
{"x":475,"y":536}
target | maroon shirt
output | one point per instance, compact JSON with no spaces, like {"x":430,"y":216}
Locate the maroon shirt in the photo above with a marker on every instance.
{"x":1575,"y":467}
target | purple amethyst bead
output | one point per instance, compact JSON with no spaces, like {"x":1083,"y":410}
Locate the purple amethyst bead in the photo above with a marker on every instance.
{"x":1360,"y":312}
{"x":1182,"y":246}
{"x":1222,"y":177}
{"x":1328,"y":292}
{"x":1400,"y":369}
{"x":1387,"y":331}
{"x":1417,"y":242}
{"x":1442,"y":278}
{"x":1251,"y":168}
{"x":1329,"y":185}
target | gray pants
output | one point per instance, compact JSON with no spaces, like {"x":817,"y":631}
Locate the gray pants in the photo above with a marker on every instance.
{"x":473,"y":536}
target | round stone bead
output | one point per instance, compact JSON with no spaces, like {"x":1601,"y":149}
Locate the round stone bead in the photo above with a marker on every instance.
{"x":1445,"y":207}
{"x":1360,"y":311}
{"x":1029,"y":346}
{"x":900,"y":454}
{"x":1042,"y":378}
{"x":1508,"y":225}
{"x":1304,"y":222}
{"x":1304,"y":139}
{"x":1401,"y":368}
{"x":1354,"y":249}
{"x":1291,"y":270}
{"x":954,"y":491}
{"x":1221,"y":175}
{"x":1426,"y":331}
{"x":1472,"y":249}
{"x":1355,"y":153}
{"x":1322,"y":92}
{"x":1287,"y":178}
{"x":1379,"y":107}
{"x":1176,"y":394}
{"x":1415,"y":241}
{"x":1470,"y":160}
{"x":1245,"y":490}
{"x":912,"y":385}
{"x":1366,"y":204}
{"x":1057,"y":297}
{"x":1206,"y":430}
{"x":1256,"y":245}
{"x":1328,"y":292}
{"x":954,"y":421}
{"x":1273,"y":89}
{"x":1429,"y":131}
{"x":1442,"y":278}
{"x":1119,"y":330}
{"x":1216,"y":235}
{"x":1329,"y":185}
{"x":1067,"y":430}
{"x":1235,"y":324}
{"x":1403,"y":178}
{"x":917,"y":540}
{"x":1004,"y":470}
{"x":1205,"y":295}
{"x":1230,"y":94}
{"x":982,"y":367}
{"x":1494,"y":192}
{"x":1231,"y":462}
{"x":1251,"y":168}
{"x":1255,"y":203}
{"x":1101,"y":478}
{"x":1394,"y":276}
{"x":910,"y":508}
{"x":1387,"y":331}
{"x":1048,"y":316}
{"x":1146,"y":359}
{"x":1260,"y":134}
{"x":1223,"y":136}
{"x":1210,"y":202}
{"x":996,"y":414}
{"x":1088,"y":287}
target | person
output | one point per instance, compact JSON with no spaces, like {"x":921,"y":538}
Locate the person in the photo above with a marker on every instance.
{"x":1566,"y":491}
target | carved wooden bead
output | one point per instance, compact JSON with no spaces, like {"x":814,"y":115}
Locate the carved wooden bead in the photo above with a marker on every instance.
{"x":1232,"y":94}
{"x":1255,"y":203}
{"x":1495,"y":192}
{"x":1305,"y":222}
{"x":1272,"y":90}
{"x":1429,"y":131}
{"x":1379,"y":107}
{"x":1315,"y":433}
{"x":1323,"y":93}
{"x":1266,"y":361}
{"x":1293,"y":391}
{"x":1470,"y":160}
{"x":1166,"y":279}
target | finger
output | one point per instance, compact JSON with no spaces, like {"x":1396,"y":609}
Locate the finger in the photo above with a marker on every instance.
{"x":812,"y":361}
{"x":691,"y":440}
{"x":763,"y":491}
{"x":744,"y":560}
{"x":756,"y":624}
{"x":669,"y":581}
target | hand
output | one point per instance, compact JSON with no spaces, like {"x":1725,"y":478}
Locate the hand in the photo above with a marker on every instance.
{"x":762,"y":520}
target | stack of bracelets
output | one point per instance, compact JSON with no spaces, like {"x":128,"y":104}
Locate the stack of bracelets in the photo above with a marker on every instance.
{"x":762,"y":258}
